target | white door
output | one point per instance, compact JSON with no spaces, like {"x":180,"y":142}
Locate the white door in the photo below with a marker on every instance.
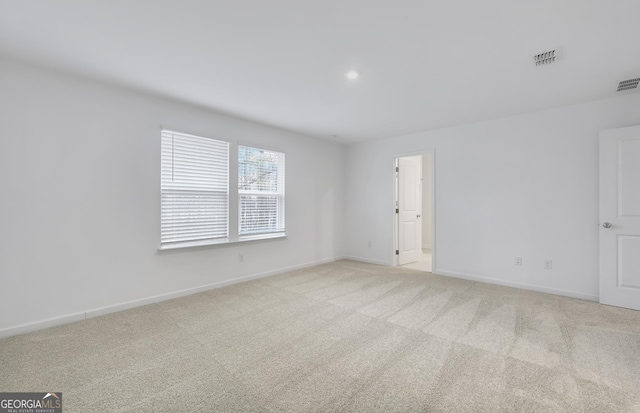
{"x":409,"y":209}
{"x":620,"y":217}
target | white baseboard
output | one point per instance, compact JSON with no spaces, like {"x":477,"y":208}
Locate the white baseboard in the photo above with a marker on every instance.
{"x":181,"y":293}
{"x":96,"y":312}
{"x":41,"y":324}
{"x":367,"y":260}
{"x":523,"y":286}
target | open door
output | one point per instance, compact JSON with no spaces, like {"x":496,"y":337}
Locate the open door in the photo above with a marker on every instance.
{"x":620,"y":217}
{"x":409,"y":209}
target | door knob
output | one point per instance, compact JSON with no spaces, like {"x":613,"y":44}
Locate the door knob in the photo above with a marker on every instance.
{"x":418,"y":216}
{"x":607,"y":225}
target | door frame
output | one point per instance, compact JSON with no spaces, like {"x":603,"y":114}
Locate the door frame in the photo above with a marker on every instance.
{"x":394,"y":196}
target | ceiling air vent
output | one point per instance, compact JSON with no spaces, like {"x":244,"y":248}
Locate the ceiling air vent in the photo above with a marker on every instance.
{"x":628,"y":84}
{"x":545,"y":58}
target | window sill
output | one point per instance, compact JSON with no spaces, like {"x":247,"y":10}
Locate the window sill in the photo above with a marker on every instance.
{"x":262,"y":236}
{"x":217,"y":242}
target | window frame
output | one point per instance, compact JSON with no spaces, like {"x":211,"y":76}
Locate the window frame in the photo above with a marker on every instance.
{"x":280,"y":194}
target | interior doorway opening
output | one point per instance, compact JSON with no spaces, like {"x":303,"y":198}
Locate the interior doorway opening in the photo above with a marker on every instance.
{"x":414,"y":218}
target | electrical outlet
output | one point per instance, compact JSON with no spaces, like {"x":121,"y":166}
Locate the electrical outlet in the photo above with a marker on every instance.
{"x":369,"y":244}
{"x":240,"y":257}
{"x":548,"y":264}
{"x":519,"y":261}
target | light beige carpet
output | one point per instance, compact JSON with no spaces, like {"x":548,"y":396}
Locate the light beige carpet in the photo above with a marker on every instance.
{"x":341,"y":337}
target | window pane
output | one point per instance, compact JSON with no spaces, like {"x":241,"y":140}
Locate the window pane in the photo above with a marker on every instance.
{"x":193,"y":216}
{"x":258,"y":169}
{"x":259,"y":214}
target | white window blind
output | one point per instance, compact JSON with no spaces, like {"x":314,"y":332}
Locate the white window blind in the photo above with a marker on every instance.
{"x":194,"y":190}
{"x":260,"y":191}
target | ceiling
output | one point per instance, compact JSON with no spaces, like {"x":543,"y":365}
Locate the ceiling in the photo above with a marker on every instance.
{"x":423,"y":64}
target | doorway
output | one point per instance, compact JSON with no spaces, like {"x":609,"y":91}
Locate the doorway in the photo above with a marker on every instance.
{"x":414,"y":211}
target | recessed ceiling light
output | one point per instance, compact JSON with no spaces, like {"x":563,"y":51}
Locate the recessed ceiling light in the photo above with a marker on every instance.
{"x":352,"y":74}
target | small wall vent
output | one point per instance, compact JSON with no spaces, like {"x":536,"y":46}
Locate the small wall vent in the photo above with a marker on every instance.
{"x":628,"y":84}
{"x":545,"y":58}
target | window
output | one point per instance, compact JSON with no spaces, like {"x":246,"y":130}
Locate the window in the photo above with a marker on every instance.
{"x":196,"y":204}
{"x":260,"y":191}
{"x":194,"y":190}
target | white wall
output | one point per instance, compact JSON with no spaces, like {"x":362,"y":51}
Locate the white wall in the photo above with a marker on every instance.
{"x":79,"y":217}
{"x":520,"y":186}
{"x":427,"y":190}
